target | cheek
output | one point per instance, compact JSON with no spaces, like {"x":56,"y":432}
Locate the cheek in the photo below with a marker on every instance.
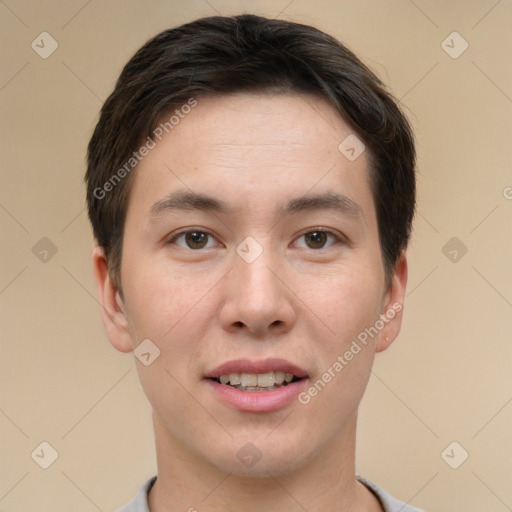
{"x":344,"y":360}
{"x":166,"y":310}
{"x":347,"y":306}
{"x":158,"y":299}
{"x":346,"y":301}
{"x":174,"y":310}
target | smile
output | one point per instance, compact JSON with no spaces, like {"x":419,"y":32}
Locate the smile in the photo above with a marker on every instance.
{"x":257,"y":381}
{"x":257,"y":386}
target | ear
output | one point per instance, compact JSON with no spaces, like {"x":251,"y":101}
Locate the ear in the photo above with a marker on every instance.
{"x":113,"y":310}
{"x":393,"y":305}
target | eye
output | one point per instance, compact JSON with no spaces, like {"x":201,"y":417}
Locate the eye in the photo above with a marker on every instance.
{"x":317,"y":239}
{"x":193,"y":239}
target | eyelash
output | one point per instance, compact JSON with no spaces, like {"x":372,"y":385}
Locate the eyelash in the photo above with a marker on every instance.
{"x":336,"y":236}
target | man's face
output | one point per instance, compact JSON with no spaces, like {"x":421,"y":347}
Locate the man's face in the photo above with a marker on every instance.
{"x":290,"y":268}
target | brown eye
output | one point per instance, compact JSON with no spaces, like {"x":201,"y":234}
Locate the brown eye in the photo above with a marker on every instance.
{"x":316,"y":239}
{"x":196,"y":239}
{"x":193,"y":240}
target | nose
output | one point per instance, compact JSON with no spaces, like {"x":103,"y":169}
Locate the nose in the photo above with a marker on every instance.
{"x":257,"y":298}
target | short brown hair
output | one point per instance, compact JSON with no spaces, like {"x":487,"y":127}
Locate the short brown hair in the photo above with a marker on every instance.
{"x":222,"y":55}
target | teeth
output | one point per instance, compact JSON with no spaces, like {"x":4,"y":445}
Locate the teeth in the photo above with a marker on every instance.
{"x":257,"y":380}
{"x":265,"y":380}
{"x":279,"y":376}
{"x":234,"y":378}
{"x":249,"y":379}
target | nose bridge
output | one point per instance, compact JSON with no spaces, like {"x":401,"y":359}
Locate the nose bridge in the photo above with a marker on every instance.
{"x":255,"y":296}
{"x":252,"y":267}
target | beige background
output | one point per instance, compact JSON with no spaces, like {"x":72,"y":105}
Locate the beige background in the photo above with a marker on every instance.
{"x":448,"y":376}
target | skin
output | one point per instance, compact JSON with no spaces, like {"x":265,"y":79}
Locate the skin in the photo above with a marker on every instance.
{"x":205,"y":306}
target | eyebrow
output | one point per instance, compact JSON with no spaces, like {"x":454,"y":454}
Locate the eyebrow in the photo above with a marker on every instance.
{"x":328,"y":201}
{"x":189,"y":201}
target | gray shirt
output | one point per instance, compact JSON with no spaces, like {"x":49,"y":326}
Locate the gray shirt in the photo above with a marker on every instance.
{"x":390,"y":504}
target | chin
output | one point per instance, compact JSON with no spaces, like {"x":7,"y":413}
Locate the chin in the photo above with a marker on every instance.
{"x":264,"y":468}
{"x":259,"y":457}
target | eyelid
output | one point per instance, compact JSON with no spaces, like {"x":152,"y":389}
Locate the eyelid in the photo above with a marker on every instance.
{"x":338,"y":236}
{"x":184,"y":231}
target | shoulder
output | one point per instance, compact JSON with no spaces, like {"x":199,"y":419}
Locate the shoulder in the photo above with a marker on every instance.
{"x":140,"y":502}
{"x":389,"y":503}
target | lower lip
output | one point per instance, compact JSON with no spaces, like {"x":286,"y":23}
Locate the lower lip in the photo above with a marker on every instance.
{"x":258,"y":401}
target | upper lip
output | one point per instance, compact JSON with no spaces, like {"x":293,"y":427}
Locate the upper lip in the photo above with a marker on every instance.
{"x":256,"y":366}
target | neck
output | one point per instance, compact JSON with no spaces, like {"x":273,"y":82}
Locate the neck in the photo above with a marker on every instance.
{"x":326,"y":482}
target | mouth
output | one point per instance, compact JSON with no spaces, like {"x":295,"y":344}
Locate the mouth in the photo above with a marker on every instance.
{"x":257,"y":386}
{"x":257,"y":381}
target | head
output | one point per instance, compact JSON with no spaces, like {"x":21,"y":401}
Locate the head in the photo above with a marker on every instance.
{"x":218,"y":56}
{"x":250,"y":127}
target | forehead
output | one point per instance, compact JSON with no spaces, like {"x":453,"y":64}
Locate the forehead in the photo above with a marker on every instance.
{"x":278,"y":125}
{"x":251,"y":148}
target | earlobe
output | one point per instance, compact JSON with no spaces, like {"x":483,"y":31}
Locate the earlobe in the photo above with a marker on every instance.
{"x":113,"y":309}
{"x":393,"y":304}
